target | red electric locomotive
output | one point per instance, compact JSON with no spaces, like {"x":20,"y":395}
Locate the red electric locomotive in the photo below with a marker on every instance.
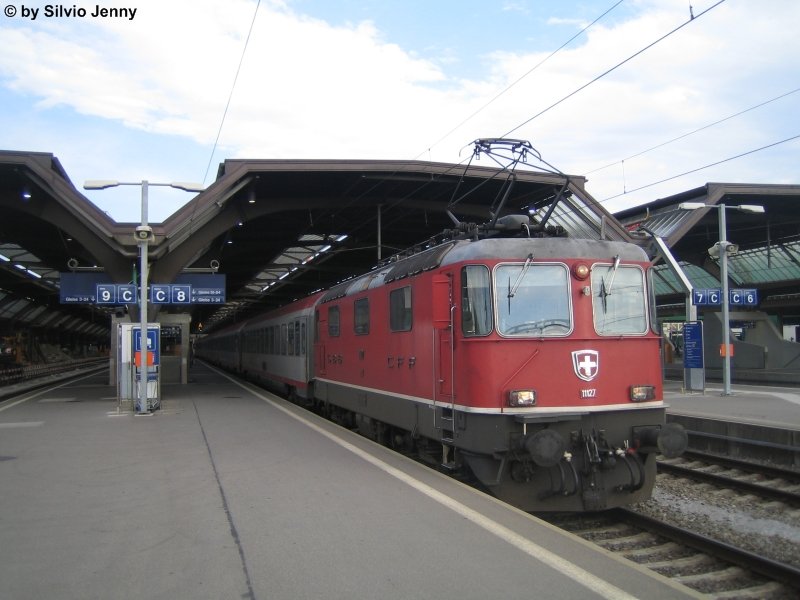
{"x":530,"y":362}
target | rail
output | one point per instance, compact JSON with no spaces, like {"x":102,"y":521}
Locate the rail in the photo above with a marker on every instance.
{"x":20,"y":374}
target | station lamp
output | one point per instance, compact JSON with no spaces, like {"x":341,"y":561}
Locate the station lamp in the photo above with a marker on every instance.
{"x":143,"y":235}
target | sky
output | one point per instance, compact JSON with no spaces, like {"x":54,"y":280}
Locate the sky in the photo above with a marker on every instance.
{"x":165,"y":90}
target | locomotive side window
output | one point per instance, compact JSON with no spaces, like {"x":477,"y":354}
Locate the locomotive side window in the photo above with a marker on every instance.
{"x":532,"y":300}
{"x":361,"y":316}
{"x":476,"y":301}
{"x":400,"y":309}
{"x":333,"y":321}
{"x":619,"y":300}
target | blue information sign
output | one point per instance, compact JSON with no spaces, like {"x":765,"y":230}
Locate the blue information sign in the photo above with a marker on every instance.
{"x":159,"y":294}
{"x":152,"y":342}
{"x":181,"y":294}
{"x":747,"y":297}
{"x":693,"y":345}
{"x":93,"y":288}
{"x":106,"y":294}
{"x":707,"y":297}
{"x":126,"y":294}
{"x":736,"y":297}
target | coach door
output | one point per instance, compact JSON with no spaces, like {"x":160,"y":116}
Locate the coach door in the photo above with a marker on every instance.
{"x":442,"y":306}
{"x":320,"y":326}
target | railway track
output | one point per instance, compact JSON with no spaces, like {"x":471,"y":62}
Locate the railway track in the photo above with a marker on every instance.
{"x":708,"y":566}
{"x":764,"y":481}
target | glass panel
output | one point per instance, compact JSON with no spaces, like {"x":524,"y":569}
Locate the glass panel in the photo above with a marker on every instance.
{"x":333,"y":321}
{"x":476,"y":302}
{"x":532,"y":300}
{"x":400,"y":309}
{"x":619,"y":300}
{"x":361,"y":316}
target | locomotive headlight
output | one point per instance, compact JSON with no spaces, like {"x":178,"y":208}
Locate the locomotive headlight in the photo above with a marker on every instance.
{"x":643,"y":393}
{"x":522,"y":398}
{"x":580,"y":271}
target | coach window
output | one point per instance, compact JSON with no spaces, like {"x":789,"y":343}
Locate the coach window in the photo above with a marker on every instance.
{"x":291,"y":340}
{"x":476,"y":301}
{"x":333,"y":321}
{"x":400,"y":309}
{"x":284,"y":339}
{"x":302,"y":337}
{"x":620,"y":303}
{"x":361,"y":316}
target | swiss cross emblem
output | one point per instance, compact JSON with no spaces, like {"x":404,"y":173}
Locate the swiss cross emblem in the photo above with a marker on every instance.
{"x":586,"y":364}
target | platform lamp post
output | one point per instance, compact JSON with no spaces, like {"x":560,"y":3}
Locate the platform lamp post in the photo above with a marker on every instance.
{"x":723,"y":248}
{"x":143,"y":235}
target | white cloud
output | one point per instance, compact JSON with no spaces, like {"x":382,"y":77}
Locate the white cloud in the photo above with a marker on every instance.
{"x":308,"y":89}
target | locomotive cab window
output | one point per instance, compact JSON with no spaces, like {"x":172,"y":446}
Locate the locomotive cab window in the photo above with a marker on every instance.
{"x":400,"y":309}
{"x":333,"y":321}
{"x":476,"y":301}
{"x":532,"y":300}
{"x":361,"y":316}
{"x":619,"y":300}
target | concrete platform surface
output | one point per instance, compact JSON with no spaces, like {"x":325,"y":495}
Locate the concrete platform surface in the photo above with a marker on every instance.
{"x":229,"y":492}
{"x":770,"y":406}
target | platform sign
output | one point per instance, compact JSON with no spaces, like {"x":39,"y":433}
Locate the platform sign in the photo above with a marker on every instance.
{"x":106,"y":294}
{"x":94,"y":288}
{"x":205,"y":289}
{"x":736,"y":297}
{"x":80,"y":288}
{"x":208,"y":296}
{"x":707,"y":297}
{"x":745,"y":297}
{"x":693,"y":364}
{"x":126,"y":294}
{"x":160,"y":294}
{"x":180,"y":294}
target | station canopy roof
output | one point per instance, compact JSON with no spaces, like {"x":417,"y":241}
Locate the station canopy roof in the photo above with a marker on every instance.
{"x":281,"y":229}
{"x":277,"y":229}
{"x":768,"y":257}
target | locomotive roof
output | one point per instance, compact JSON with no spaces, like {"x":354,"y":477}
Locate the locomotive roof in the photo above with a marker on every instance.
{"x":550,"y":248}
{"x":491,"y":249}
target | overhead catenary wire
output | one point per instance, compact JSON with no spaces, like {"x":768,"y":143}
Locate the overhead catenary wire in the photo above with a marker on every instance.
{"x":698,"y":130}
{"x":614,"y":68}
{"x":714,"y":164}
{"x":233,"y":87}
{"x":516,"y":81}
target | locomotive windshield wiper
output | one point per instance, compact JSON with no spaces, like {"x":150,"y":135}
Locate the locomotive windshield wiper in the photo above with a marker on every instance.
{"x":606,"y":292}
{"x":512,"y":291}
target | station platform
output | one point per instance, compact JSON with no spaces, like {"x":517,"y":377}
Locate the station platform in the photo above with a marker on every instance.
{"x":230,"y":492}
{"x":767,"y":405}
